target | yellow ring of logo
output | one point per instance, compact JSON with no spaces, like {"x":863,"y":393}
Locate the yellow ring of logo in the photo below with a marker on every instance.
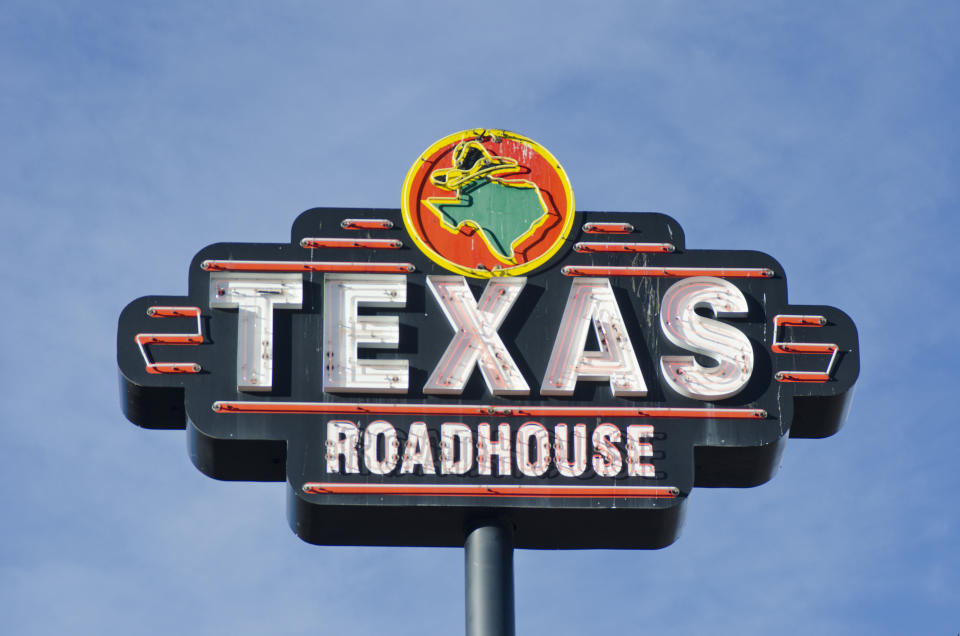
{"x":567,"y":214}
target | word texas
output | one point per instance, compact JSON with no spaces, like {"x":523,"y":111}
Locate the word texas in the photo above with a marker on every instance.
{"x":591,"y":303}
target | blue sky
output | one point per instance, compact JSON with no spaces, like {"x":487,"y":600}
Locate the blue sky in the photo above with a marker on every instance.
{"x":134,"y":134}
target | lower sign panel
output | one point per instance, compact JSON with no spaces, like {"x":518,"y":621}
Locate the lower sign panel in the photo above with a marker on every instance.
{"x":425,"y":479}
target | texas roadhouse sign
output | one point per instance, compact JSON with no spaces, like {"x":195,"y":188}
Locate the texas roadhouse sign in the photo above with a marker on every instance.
{"x":486,"y":350}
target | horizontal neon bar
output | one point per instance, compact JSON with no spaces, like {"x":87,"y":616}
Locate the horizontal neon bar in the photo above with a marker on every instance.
{"x":143,"y":339}
{"x":366,"y":224}
{"x":802,"y":376}
{"x":803,"y":347}
{"x":173,"y":312}
{"x":667,"y":272}
{"x":173,"y":367}
{"x":305,"y":266}
{"x":607,"y":228}
{"x":344,"y":408}
{"x":784,"y":320}
{"x":168,"y":338}
{"x":347,"y":243}
{"x":590,"y":248}
{"x":492,"y":490}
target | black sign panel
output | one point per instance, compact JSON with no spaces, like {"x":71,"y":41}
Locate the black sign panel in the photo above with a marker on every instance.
{"x":582,"y":400}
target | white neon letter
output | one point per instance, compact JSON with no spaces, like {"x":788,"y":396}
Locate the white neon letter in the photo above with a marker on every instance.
{"x":591,"y":300}
{"x":541,"y":448}
{"x":455,"y":436}
{"x":371,"y":457}
{"x":476,"y":342}
{"x":255,"y":296}
{"x":344,"y":330}
{"x":607,"y":461}
{"x":725,"y":344}
{"x":561,"y":445}
{"x":637,"y":449}
{"x":418,"y":451}
{"x":342,"y":438}
{"x":487,"y":447}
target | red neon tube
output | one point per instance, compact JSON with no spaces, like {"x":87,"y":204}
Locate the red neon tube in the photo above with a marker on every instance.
{"x":305,"y":266}
{"x":491,"y":490}
{"x":343,"y":408}
{"x":668,"y":272}
{"x":346,"y":243}
{"x":366,"y":224}
{"x":591,"y":248}
{"x":607,"y":228}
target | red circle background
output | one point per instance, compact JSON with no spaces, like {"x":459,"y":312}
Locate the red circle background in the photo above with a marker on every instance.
{"x":465,"y":248}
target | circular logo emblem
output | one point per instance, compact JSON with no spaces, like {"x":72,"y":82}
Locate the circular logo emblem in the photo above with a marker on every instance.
{"x":487,"y":203}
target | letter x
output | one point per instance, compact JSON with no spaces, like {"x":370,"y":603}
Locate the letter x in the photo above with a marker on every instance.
{"x":476,"y":341}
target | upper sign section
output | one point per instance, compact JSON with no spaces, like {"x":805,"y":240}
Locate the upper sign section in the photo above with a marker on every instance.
{"x":486,"y":203}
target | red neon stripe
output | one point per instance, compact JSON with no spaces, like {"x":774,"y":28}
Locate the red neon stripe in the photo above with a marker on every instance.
{"x":799,"y":321}
{"x":821,"y":348}
{"x":168,"y":338}
{"x":590,"y":248}
{"x":492,"y":490}
{"x":607,"y":228}
{"x":803,"y":347}
{"x":343,"y":243}
{"x":668,"y":272}
{"x":173,"y":367}
{"x":366,"y":224}
{"x":305,"y":266}
{"x":143,"y":339}
{"x":802,"y":376}
{"x":173,"y":312}
{"x":342,"y":408}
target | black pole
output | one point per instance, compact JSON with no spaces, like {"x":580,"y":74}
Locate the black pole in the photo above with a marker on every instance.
{"x":488,"y":564}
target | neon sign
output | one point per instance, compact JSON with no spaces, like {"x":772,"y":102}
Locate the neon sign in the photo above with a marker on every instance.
{"x":486,"y":350}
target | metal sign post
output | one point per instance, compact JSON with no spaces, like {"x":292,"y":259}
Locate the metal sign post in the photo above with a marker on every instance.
{"x":488,"y":567}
